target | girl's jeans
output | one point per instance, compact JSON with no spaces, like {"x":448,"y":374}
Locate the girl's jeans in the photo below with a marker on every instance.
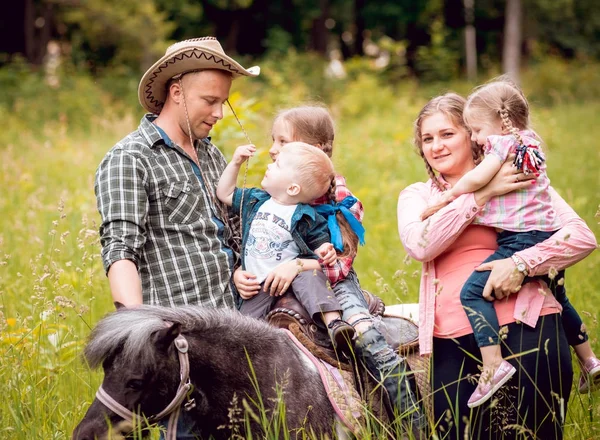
{"x":481,"y":313}
{"x":381,"y":359}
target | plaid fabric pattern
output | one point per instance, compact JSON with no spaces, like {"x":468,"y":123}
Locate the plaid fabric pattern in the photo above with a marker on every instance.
{"x":524,"y":210}
{"x":342,"y":266}
{"x":157,"y":213}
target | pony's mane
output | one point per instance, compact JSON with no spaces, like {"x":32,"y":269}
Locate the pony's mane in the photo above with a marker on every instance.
{"x":130,"y":330}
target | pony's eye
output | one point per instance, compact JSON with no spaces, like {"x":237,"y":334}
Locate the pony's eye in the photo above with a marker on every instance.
{"x":135,"y":384}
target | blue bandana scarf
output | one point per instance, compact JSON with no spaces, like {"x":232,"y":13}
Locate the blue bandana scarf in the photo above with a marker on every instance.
{"x":330,"y":210}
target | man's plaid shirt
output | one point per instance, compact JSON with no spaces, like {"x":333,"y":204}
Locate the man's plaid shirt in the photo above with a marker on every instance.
{"x":157,"y":213}
{"x":342,"y":266}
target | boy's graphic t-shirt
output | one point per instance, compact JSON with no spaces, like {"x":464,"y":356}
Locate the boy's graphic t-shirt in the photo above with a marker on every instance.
{"x":270,"y":241}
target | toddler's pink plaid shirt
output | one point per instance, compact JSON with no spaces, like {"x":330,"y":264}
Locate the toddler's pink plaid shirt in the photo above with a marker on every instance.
{"x":524,"y":210}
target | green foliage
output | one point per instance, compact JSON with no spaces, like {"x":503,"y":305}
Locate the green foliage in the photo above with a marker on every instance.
{"x":293,"y":77}
{"x":572,"y":26}
{"x":112,"y":32}
{"x":554,"y":81}
{"x":27,"y":98}
{"x":437,"y":61}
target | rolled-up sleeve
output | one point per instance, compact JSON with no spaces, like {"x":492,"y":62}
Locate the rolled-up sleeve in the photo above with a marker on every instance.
{"x":569,"y":245}
{"x":123,"y":205}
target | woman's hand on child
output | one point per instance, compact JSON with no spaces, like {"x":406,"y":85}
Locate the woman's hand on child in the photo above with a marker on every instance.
{"x":245,"y":283}
{"x":327,"y":254}
{"x":280,"y":278}
{"x":504,"y":279}
{"x":243,"y":153}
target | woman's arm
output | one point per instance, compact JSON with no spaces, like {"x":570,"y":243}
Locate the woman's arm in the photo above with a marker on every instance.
{"x":569,"y":245}
{"x":425,"y":240}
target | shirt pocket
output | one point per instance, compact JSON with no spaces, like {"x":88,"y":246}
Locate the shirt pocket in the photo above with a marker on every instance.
{"x":181,"y":202}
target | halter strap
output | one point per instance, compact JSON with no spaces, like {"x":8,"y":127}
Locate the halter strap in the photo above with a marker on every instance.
{"x":173,"y":408}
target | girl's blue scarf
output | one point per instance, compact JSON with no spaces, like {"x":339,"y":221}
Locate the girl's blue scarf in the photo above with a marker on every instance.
{"x":330,"y":210}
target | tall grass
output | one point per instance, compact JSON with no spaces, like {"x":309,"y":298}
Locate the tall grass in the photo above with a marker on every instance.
{"x":52,"y":285}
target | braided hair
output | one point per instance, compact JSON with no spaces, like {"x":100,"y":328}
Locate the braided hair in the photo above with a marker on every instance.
{"x":451,"y":105}
{"x":349,"y":238}
{"x":500,"y":99}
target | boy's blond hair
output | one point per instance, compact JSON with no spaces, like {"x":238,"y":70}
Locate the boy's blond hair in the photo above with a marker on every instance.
{"x":314,"y":170}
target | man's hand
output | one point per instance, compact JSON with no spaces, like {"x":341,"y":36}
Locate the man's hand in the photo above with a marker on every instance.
{"x":504,"y":279}
{"x":243,"y":153}
{"x":245,"y":283}
{"x":327,"y":254}
{"x":280,"y":279}
{"x":125,"y":283}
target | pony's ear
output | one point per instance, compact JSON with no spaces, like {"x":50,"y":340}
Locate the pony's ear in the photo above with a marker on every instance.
{"x":163,"y":338}
{"x":118,"y":305}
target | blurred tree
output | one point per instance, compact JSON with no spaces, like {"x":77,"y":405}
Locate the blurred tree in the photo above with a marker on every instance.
{"x":115,"y":33}
{"x":318,"y":32}
{"x":470,"y":41}
{"x":513,"y":37}
{"x":26,"y":27}
{"x":570,"y":26}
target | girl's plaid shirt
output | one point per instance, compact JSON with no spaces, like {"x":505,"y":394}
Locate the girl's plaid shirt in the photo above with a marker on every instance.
{"x":342,"y":266}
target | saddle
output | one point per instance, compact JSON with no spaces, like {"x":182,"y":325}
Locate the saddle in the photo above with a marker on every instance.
{"x":401,"y":333}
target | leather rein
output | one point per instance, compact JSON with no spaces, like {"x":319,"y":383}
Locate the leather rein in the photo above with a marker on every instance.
{"x":173,"y":408}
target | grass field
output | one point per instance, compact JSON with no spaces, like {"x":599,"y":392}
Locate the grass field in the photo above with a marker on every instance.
{"x":53,"y":289}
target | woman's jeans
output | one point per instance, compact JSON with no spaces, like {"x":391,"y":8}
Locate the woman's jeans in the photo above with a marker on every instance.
{"x":482,"y":314}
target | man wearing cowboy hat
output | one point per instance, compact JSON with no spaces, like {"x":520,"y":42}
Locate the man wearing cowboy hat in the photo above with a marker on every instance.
{"x":165,"y":238}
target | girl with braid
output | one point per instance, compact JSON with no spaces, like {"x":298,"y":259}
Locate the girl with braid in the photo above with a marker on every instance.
{"x":313,"y":125}
{"x":497,"y":115}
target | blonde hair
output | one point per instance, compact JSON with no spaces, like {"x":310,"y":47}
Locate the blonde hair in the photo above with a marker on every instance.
{"x":316,"y":176}
{"x":452,"y":106}
{"x":314,"y":169}
{"x":311,"y":124}
{"x":499,"y":100}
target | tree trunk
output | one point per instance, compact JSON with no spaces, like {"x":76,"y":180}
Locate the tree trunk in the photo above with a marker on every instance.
{"x":319,"y":32}
{"x":470,"y":41}
{"x":511,"y":54}
{"x":359,"y":23}
{"x":29,"y":30}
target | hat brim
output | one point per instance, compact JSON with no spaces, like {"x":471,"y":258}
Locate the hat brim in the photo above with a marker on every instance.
{"x":152,"y":89}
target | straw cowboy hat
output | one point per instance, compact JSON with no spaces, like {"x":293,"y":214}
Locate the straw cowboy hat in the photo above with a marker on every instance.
{"x":184,"y":57}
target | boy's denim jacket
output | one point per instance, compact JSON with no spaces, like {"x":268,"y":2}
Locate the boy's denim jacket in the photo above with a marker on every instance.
{"x":309,"y":229}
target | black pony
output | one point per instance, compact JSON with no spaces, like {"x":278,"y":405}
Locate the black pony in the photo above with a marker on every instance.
{"x":238,"y":366}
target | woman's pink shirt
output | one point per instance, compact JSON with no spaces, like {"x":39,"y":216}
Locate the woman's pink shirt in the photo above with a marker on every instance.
{"x":450,"y":248}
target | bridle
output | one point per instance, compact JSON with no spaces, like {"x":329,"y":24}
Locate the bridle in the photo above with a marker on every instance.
{"x":174,"y":408}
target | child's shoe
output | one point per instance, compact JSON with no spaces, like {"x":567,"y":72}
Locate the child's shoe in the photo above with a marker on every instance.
{"x":486,"y":390}
{"x":341,"y":334}
{"x":589,"y":379}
